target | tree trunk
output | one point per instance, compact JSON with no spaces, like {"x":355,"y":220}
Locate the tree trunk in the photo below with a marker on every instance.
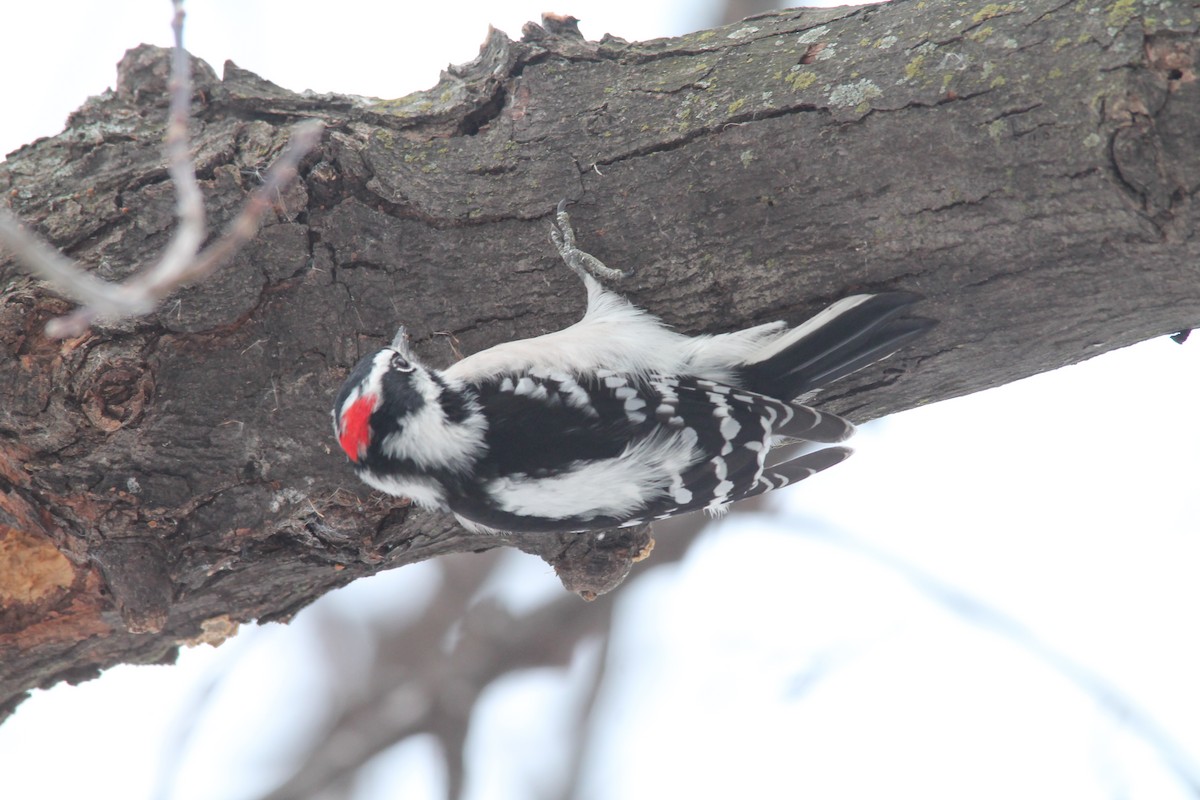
{"x":1030,"y":168}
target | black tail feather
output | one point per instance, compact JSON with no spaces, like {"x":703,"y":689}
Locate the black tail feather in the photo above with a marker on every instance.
{"x":849,"y":340}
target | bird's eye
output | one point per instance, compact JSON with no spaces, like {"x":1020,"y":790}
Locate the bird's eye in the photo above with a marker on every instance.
{"x":401,"y":364}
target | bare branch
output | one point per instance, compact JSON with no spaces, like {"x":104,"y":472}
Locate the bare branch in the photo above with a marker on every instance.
{"x":427,"y":210}
{"x":1123,"y":710}
{"x":181,"y":261}
{"x":243,"y":227}
{"x":189,"y":203}
{"x":67,"y":276}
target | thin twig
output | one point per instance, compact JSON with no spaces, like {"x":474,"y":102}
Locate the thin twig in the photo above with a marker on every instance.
{"x":245,"y":225}
{"x":189,"y":203}
{"x":181,"y":260}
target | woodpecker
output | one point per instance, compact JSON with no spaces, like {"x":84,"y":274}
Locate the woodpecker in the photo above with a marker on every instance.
{"x":614,"y":421}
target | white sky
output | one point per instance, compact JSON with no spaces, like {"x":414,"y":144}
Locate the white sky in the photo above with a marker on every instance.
{"x":773,"y":663}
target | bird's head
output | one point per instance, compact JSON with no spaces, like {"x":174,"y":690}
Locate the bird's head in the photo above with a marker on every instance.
{"x":381,"y":392}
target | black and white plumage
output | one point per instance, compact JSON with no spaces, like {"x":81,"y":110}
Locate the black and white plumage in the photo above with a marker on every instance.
{"x":614,"y":421}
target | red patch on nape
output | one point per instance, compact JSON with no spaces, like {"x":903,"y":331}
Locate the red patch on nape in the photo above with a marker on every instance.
{"x":356,"y":427}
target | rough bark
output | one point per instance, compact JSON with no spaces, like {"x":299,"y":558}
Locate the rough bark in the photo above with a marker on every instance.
{"x":1029,"y":167}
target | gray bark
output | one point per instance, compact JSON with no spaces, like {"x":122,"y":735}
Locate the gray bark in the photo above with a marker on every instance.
{"x":1029,"y":168}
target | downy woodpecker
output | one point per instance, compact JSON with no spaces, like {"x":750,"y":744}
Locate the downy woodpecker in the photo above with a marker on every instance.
{"x":614,"y":421}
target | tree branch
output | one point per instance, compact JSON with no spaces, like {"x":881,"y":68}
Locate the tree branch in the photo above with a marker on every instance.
{"x":1030,"y":169}
{"x":1110,"y":699}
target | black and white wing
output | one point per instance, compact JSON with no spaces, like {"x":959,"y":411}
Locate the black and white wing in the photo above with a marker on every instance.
{"x":567,"y":454}
{"x":735,"y":430}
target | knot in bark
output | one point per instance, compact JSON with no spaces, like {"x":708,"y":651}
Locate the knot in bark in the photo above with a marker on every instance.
{"x":114,"y":389}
